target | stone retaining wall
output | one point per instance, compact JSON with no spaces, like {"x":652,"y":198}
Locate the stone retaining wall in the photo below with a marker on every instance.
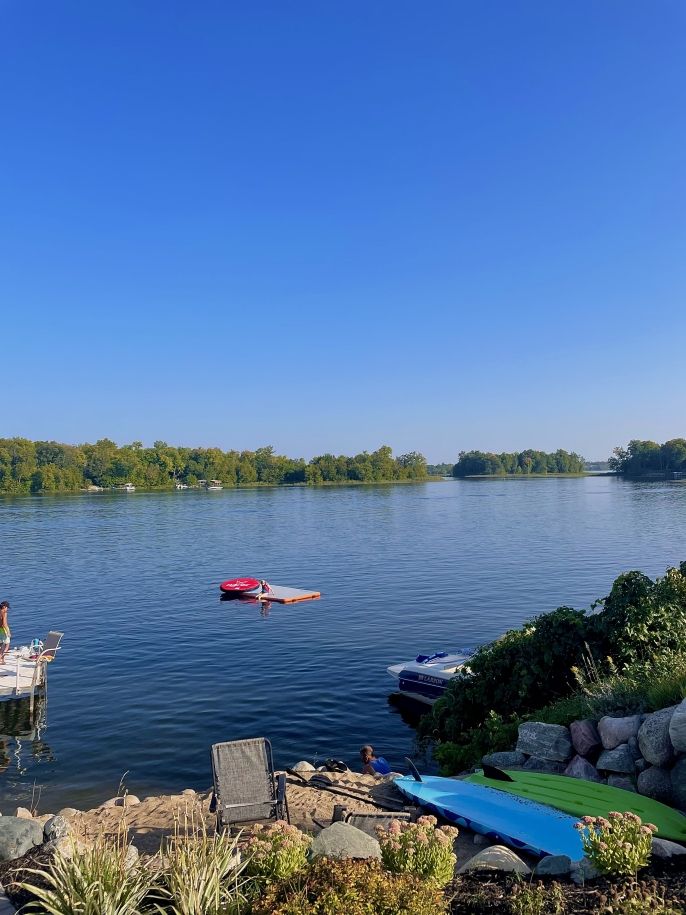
{"x":643,"y":753}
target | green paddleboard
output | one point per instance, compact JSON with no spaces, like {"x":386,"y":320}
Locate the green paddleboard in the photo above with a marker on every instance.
{"x":581,"y":798}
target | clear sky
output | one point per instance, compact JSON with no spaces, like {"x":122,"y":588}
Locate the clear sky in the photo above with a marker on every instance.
{"x":326,"y":226}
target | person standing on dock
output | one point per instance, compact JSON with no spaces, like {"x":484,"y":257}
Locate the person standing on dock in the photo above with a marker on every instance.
{"x":5,"y":634}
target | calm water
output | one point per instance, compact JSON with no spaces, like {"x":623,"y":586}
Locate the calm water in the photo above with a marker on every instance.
{"x":155,"y":668}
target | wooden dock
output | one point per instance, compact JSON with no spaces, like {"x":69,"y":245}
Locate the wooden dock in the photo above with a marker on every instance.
{"x":20,"y":677}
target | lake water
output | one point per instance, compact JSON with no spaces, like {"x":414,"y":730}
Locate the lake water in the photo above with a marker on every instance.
{"x":154,"y":668}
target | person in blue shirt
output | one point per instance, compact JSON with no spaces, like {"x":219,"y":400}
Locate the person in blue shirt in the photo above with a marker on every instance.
{"x":371,"y":764}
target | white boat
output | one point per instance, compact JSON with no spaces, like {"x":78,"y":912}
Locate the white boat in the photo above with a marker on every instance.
{"x":214,"y":484}
{"x":128,"y":487}
{"x":180,"y":485}
{"x":426,"y":678}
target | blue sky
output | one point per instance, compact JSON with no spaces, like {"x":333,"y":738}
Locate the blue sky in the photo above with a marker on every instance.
{"x":328,"y":226}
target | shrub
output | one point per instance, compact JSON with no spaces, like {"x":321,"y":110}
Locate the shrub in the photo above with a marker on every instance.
{"x":638,"y":899}
{"x":419,"y":848}
{"x":99,"y":879}
{"x":538,"y":665}
{"x":201,"y":874}
{"x":351,"y":887}
{"x":537,"y":899}
{"x":276,"y":852}
{"x":618,"y":845}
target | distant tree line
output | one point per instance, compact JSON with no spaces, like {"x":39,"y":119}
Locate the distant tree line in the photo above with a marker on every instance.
{"x":482,"y":463}
{"x":27,"y":466}
{"x":644,"y":458}
{"x":440,"y":470}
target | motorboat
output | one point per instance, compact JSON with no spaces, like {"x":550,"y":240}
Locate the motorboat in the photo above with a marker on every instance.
{"x":214,"y":485}
{"x":426,"y":678}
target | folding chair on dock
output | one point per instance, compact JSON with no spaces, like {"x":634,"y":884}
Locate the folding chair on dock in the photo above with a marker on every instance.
{"x":246,"y":790}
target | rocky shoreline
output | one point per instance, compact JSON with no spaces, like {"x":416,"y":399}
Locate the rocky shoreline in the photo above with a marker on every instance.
{"x":645,"y":753}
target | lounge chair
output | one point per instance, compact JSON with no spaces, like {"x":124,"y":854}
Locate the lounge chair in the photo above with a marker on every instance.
{"x":50,"y":646}
{"x":245,"y":787}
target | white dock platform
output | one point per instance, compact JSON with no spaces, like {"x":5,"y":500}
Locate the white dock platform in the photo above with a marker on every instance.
{"x":20,"y":676}
{"x":281,"y":595}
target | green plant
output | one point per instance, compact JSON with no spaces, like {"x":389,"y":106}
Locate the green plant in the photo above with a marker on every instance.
{"x":637,"y":899}
{"x":419,"y":848}
{"x":99,"y":879}
{"x":275,"y":852}
{"x":350,"y":887}
{"x":537,"y":899}
{"x":201,"y":872}
{"x":620,"y":844}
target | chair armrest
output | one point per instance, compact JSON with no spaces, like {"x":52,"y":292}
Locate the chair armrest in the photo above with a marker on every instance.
{"x":281,"y":788}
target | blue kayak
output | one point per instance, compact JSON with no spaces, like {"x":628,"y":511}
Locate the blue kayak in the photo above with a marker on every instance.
{"x":516,"y":821}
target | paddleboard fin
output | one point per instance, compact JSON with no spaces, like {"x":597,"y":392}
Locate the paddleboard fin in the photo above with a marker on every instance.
{"x":413,"y":769}
{"x":496,"y":774}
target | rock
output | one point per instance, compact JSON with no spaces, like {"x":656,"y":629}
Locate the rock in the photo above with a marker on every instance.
{"x":480,"y":840}
{"x":496,"y":858}
{"x":341,"y":840}
{"x":616,"y":731}
{"x":123,"y":800}
{"x":582,"y":768}
{"x":68,"y":812}
{"x":56,"y":827}
{"x":677,"y":728}
{"x":17,"y":836}
{"x":23,"y":814}
{"x":618,"y":760}
{"x":303,"y":766}
{"x":536,"y":764}
{"x":663,"y":848}
{"x":582,"y":871}
{"x":6,"y":907}
{"x":640,"y":765}
{"x":653,"y":737}
{"x":189,"y":792}
{"x":585,"y":736}
{"x":505,"y":759}
{"x":655,"y":782}
{"x":553,"y":866}
{"x":632,"y":744}
{"x":546,"y":741}
{"x":131,"y":857}
{"x":621,"y":781}
{"x":678,"y":777}
{"x":67,"y":846}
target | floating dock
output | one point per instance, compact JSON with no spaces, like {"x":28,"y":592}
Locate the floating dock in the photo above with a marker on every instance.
{"x":281,"y":595}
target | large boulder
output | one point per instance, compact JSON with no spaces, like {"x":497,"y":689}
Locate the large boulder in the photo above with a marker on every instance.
{"x":621,"y":781}
{"x":663,"y":848}
{"x":583,"y":870}
{"x":677,"y":728}
{"x":57,"y":827}
{"x":505,"y":759}
{"x":653,"y":737}
{"x":546,"y":741}
{"x":536,"y":764}
{"x":303,"y":766}
{"x":582,"y":768}
{"x":655,"y":782}
{"x":585,"y":736}
{"x":17,"y":836}
{"x":496,"y":858}
{"x":621,"y":760}
{"x":341,"y":840}
{"x":616,"y":731}
{"x":678,"y":777}
{"x":553,"y":866}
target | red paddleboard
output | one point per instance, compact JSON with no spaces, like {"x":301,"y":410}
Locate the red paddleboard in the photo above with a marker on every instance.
{"x":239,"y":585}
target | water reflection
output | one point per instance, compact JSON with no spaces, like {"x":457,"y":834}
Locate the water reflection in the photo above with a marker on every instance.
{"x":21,"y":735}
